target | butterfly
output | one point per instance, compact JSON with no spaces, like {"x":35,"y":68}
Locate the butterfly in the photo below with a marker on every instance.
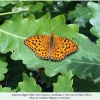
{"x":51,"y":47}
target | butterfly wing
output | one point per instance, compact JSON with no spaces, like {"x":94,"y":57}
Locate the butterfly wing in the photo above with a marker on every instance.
{"x":39,"y":45}
{"x":63,"y":48}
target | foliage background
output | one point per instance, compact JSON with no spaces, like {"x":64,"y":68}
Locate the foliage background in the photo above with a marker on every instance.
{"x":22,"y":71}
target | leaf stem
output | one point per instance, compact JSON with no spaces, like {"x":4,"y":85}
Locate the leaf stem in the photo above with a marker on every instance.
{"x":6,"y":13}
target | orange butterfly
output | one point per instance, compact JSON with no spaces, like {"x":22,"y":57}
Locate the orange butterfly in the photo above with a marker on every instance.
{"x":51,"y":47}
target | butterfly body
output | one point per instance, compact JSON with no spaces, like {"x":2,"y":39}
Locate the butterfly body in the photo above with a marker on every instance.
{"x":51,"y":47}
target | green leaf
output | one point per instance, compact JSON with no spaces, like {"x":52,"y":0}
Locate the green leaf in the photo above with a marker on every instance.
{"x":95,"y":21}
{"x":86,"y":85}
{"x":82,"y":12}
{"x":64,"y":83}
{"x":87,"y":58}
{"x":6,"y":89}
{"x":95,"y":88}
{"x":98,"y":42}
{"x":4,"y":3}
{"x":37,"y":7}
{"x":28,"y":85}
{"x":16,"y":31}
{"x":81,"y":15}
{"x":87,"y":45}
{"x":47,"y":80}
{"x":83,"y":85}
{"x":3,"y":68}
{"x":79,"y":62}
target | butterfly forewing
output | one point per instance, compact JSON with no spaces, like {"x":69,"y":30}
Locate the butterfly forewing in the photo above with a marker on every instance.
{"x":39,"y":45}
{"x":64,"y":47}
